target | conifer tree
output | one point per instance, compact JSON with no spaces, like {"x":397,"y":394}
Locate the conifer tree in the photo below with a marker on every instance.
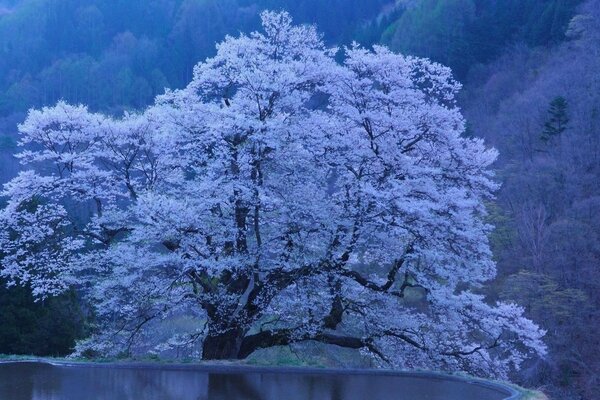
{"x":558,"y":119}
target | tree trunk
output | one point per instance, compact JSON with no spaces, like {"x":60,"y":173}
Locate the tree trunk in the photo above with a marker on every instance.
{"x":234,"y":345}
{"x":223,"y":346}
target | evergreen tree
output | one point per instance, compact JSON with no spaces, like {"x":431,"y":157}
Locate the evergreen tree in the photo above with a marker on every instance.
{"x":42,"y":328}
{"x":558,"y":119}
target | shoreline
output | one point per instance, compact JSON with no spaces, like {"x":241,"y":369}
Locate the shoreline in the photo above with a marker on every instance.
{"x":235,"y":367}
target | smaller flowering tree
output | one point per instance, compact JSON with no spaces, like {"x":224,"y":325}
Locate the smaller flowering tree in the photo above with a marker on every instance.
{"x":281,"y":197}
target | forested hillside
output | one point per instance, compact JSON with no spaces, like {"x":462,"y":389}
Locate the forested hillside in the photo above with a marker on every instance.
{"x":531,"y":89}
{"x":120,"y":55}
{"x":462,"y":33}
{"x":540,"y":108}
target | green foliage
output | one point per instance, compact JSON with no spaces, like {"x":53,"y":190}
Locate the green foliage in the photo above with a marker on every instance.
{"x":461,"y":33}
{"x":118,"y":55}
{"x":557,"y":121}
{"x":543,"y":297}
{"x":503,"y":235}
{"x":565,"y":312}
{"x":38,"y":328}
{"x":7,"y":143}
{"x":437,"y":29}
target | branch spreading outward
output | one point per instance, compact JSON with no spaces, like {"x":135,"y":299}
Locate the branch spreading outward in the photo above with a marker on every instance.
{"x":280,"y":197}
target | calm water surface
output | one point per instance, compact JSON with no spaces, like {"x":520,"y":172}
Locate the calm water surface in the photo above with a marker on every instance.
{"x":35,"y":381}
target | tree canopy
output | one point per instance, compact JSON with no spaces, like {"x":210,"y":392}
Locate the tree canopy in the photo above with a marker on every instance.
{"x":280,"y":197}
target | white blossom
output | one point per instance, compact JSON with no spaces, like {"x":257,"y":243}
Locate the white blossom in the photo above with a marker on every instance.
{"x":280,"y":197}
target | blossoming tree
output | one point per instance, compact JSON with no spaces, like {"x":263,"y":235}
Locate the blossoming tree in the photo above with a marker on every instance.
{"x":281,"y":197}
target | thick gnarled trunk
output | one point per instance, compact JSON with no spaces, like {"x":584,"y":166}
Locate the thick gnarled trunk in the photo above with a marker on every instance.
{"x":234,"y":345}
{"x":223,"y":346}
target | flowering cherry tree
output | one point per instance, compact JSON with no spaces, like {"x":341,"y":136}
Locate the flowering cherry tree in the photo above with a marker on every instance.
{"x":281,"y":197}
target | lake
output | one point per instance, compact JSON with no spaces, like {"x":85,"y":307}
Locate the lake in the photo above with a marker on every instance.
{"x":41,"y":381}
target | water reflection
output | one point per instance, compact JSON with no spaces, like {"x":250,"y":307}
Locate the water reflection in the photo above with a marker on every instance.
{"x":33,"y":381}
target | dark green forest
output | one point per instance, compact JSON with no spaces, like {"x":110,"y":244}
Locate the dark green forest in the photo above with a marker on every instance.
{"x":120,"y":55}
{"x":531,"y":89}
